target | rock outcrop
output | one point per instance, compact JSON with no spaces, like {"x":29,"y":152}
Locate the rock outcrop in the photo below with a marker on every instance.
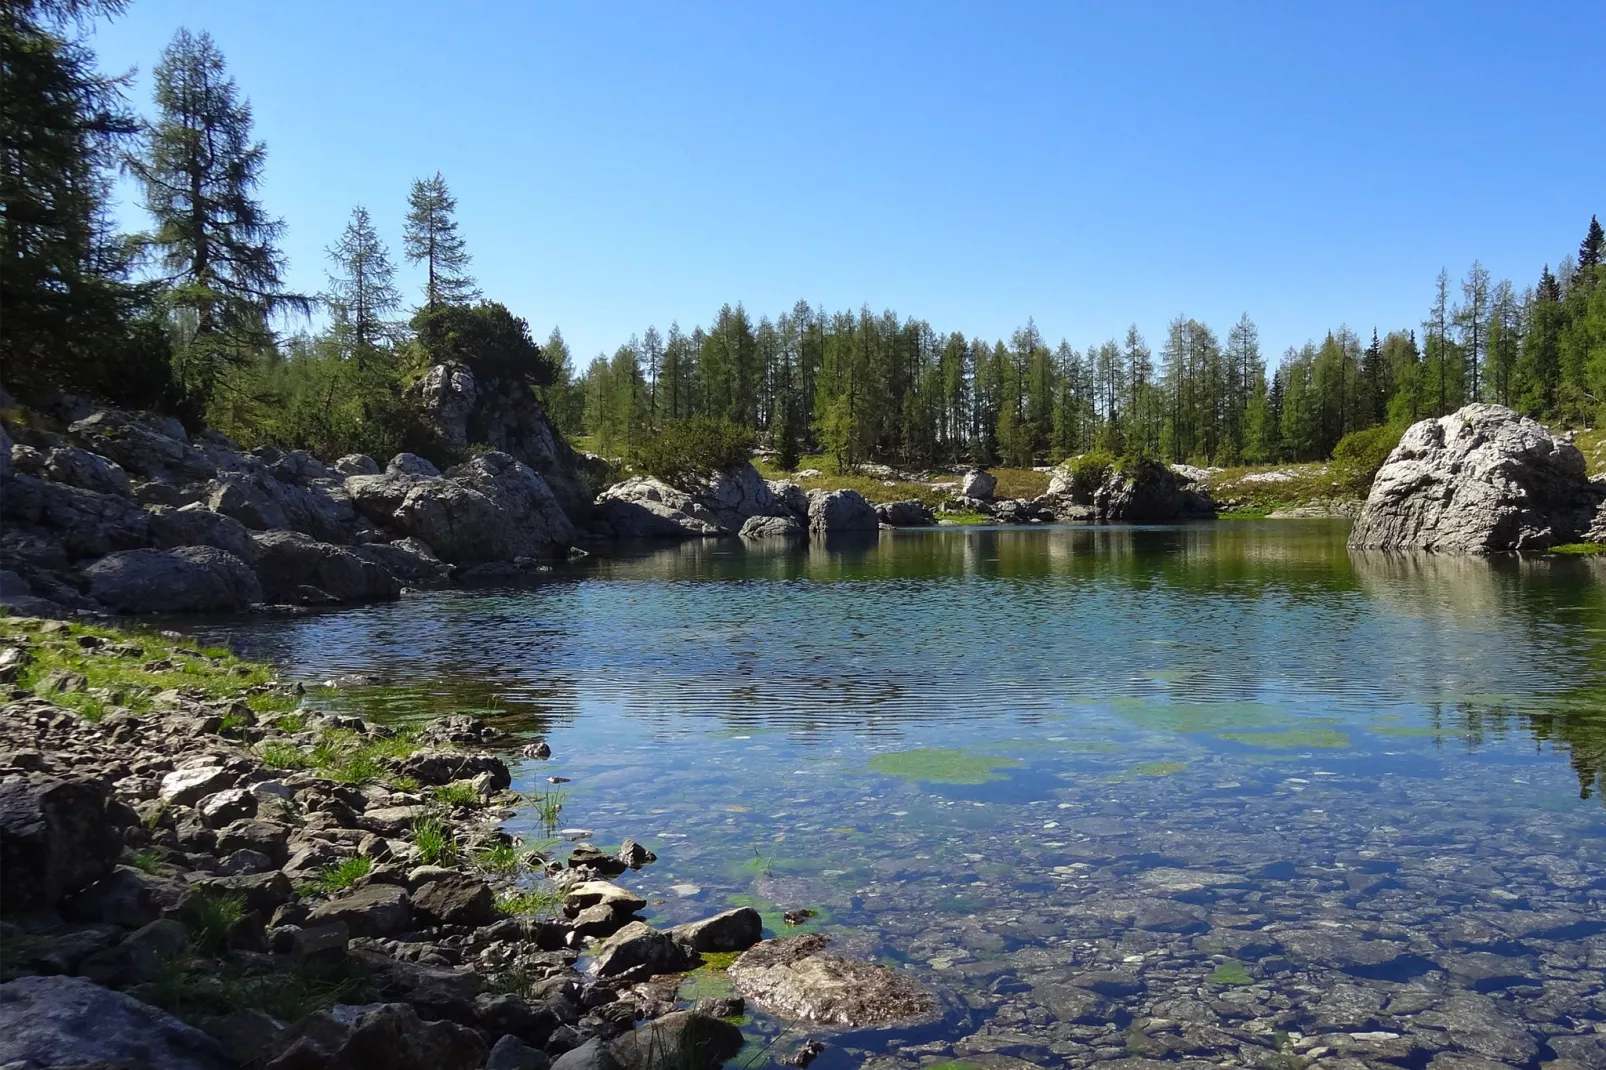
{"x":912,"y":513}
{"x":503,"y":413}
{"x":127,"y":512}
{"x":1134,"y":492}
{"x":718,"y":503}
{"x":840,"y":511}
{"x":1482,"y":480}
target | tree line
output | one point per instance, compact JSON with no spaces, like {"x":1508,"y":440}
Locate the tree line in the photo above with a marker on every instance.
{"x":876,"y":386}
{"x":192,"y":315}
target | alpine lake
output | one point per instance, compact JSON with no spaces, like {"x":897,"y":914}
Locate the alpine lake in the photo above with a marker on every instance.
{"x":1227,"y":792}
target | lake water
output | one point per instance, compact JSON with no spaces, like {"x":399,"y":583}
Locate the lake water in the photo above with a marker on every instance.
{"x":1226,"y":792}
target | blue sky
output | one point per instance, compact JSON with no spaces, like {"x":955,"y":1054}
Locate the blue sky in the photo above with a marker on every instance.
{"x":1089,"y":165}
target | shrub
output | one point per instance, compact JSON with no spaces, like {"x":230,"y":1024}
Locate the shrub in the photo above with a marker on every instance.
{"x":1087,"y":473}
{"x":1359,"y":454}
{"x":687,"y":448}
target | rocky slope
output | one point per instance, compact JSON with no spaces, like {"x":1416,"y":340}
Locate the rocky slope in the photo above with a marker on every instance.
{"x":1482,"y":480}
{"x":208,"y":877}
{"x":128,"y":512}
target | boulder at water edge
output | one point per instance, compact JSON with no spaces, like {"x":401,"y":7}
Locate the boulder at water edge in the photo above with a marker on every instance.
{"x":1482,"y":480}
{"x":796,"y":978}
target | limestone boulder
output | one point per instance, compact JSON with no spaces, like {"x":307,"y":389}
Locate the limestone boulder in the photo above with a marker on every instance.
{"x":188,"y":579}
{"x":57,"y":837}
{"x":1482,"y":480}
{"x":978,"y":483}
{"x":70,"y":1021}
{"x":85,"y":523}
{"x":796,"y":978}
{"x":296,"y":568}
{"x":912,"y":513}
{"x":841,"y":510}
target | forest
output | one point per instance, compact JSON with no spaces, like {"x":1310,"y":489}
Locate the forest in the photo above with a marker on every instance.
{"x":192,"y":316}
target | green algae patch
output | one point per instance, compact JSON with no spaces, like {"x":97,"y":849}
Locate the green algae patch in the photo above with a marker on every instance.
{"x":1197,"y":718}
{"x":773,"y":916}
{"x":938,"y":765}
{"x":706,"y":982}
{"x":1579,"y":549}
{"x":1159,"y":768}
{"x":1230,"y":973}
{"x":1291,"y":739}
{"x":1407,"y":731}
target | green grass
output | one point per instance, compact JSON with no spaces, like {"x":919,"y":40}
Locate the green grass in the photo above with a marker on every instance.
{"x":276,"y":754}
{"x":970,"y":519}
{"x":501,"y":859}
{"x":435,"y":845}
{"x":209,"y":916}
{"x":1012,"y":482}
{"x":1580,"y":549}
{"x":146,"y":860}
{"x":1309,"y":483}
{"x":341,"y":875}
{"x":212,"y":673}
{"x":290,"y":722}
{"x":548,"y":806}
{"x":531,"y":902}
{"x":457,"y":794}
{"x":341,"y":755}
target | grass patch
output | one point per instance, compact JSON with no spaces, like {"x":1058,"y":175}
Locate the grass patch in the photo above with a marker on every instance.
{"x":341,"y":875}
{"x":938,"y":765}
{"x":1237,"y":495}
{"x":1291,"y":739}
{"x":548,"y":807}
{"x":210,"y":915}
{"x":531,"y":902}
{"x":966,"y":519}
{"x":146,"y":860}
{"x":1580,"y":549}
{"x":276,"y":754}
{"x":501,"y":859}
{"x":460,"y":793}
{"x":435,"y":846}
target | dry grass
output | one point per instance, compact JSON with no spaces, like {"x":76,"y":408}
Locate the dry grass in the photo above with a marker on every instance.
{"x":1593,"y":446}
{"x":1307,"y":483}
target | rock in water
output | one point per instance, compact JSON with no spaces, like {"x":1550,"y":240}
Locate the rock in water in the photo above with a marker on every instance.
{"x":1481,"y":480}
{"x":1147,"y":492}
{"x":912,"y":513}
{"x":795,"y":978}
{"x":841,"y":510}
{"x":69,"y":1021}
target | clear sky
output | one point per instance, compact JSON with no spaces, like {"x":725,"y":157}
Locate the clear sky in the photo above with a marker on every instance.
{"x":1090,"y":165}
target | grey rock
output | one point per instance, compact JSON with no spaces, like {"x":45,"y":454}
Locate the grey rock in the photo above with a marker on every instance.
{"x":263,"y":502}
{"x":639,"y":951}
{"x":790,"y":498}
{"x":196,"y":526}
{"x":147,"y":446}
{"x":714,"y":503}
{"x":188,"y":579}
{"x":682,"y":1040}
{"x":357,"y":464}
{"x":841,"y":510}
{"x":80,"y":468}
{"x":190,"y":783}
{"x":773,"y":527}
{"x":289,"y":562}
{"x":128,"y":897}
{"x":222,"y":807}
{"x":411,"y":464}
{"x":374,"y":910}
{"x":72,"y":1022}
{"x":592,"y":1055}
{"x":409,"y":560}
{"x":455,"y":899}
{"x":588,"y":894}
{"x":248,"y":834}
{"x":733,"y":930}
{"x":390,"y":1035}
{"x":84,"y":523}
{"x":1481,"y":480}
{"x":141,"y":957}
{"x":260,"y":892}
{"x":912,"y":513}
{"x":978,"y":484}
{"x":244,"y":1035}
{"x":511,"y":1053}
{"x":56,"y":837}
{"x":796,"y":978}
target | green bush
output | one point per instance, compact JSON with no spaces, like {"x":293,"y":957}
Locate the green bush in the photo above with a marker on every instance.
{"x":1359,"y":454}
{"x":1087,"y":473}
{"x":693,"y":447}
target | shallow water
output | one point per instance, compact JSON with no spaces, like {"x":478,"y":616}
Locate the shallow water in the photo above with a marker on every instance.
{"x":1236,"y":762}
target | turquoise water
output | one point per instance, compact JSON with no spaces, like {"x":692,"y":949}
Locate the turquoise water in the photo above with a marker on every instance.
{"x":1131,"y":748}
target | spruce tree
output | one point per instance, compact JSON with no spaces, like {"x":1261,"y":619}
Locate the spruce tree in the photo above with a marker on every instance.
{"x":215,"y":248}
{"x":431,"y":239}
{"x":1593,"y":248}
{"x":362,"y":287}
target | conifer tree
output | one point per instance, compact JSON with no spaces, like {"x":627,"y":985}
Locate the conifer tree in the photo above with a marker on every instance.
{"x":1592,"y":250}
{"x":215,"y":248}
{"x":362,"y":287}
{"x":430,"y":238}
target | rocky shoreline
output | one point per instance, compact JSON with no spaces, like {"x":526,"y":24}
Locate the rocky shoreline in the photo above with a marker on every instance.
{"x":201,"y":871}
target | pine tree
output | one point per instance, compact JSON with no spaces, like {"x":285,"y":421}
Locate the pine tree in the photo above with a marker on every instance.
{"x":362,"y":288}
{"x":430,"y":238}
{"x":1538,"y":373}
{"x":215,"y":246}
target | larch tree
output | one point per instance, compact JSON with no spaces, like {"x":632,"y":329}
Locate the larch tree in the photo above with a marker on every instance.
{"x":215,"y":248}
{"x":430,"y":238}
{"x":1472,"y":318}
{"x":362,"y":287}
